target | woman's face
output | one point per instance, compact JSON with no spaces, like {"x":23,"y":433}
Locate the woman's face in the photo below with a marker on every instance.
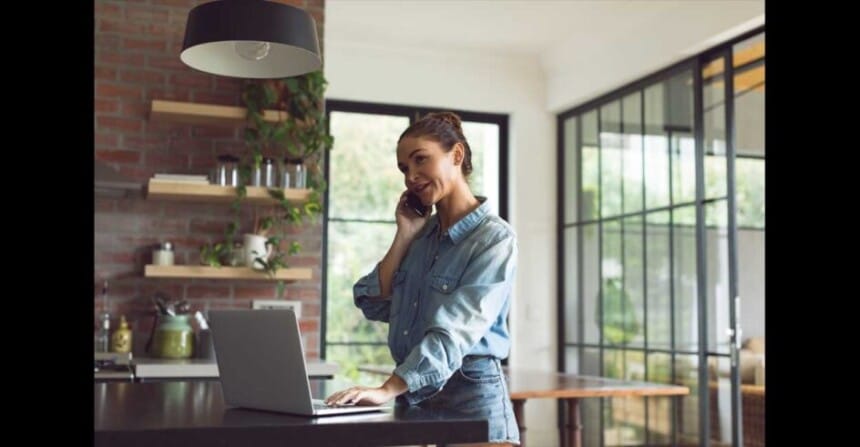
{"x":428,"y":171}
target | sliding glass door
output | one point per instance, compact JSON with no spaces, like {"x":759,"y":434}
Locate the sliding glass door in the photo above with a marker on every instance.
{"x":658,"y":181}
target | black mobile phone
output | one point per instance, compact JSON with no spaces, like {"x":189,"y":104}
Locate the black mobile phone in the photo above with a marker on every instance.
{"x":414,"y":203}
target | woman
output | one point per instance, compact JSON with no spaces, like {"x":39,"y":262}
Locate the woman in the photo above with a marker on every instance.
{"x":444,"y":287}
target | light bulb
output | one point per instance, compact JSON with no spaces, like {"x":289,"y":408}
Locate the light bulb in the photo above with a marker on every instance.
{"x":252,"y":50}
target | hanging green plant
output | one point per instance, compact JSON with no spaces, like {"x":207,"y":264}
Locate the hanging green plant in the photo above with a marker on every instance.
{"x":300,"y":135}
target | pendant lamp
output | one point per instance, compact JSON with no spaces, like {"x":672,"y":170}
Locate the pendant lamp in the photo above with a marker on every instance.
{"x":251,"y":39}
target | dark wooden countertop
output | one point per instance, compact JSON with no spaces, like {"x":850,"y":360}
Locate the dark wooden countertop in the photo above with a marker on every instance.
{"x":190,"y":413}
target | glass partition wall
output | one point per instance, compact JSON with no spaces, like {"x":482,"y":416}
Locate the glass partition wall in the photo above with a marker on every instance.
{"x":662,"y":268}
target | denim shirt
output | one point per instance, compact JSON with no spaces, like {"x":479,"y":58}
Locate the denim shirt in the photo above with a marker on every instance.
{"x":450,"y":298}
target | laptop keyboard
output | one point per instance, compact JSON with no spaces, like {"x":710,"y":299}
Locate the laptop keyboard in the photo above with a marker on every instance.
{"x":320,"y":404}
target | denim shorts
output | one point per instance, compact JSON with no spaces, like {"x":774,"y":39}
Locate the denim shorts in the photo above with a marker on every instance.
{"x":479,"y":388}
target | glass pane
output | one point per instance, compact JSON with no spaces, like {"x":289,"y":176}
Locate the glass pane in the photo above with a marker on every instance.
{"x":683,"y":167}
{"x":363,"y":178}
{"x":679,"y":130}
{"x":686,"y":374}
{"x":483,"y":140}
{"x":749,"y":190}
{"x":625,"y":421}
{"x":571,"y":170}
{"x":633,"y":284}
{"x":590,"y":282}
{"x":590,"y":167}
{"x":715,"y":128}
{"x":684,"y":279}
{"x":590,"y":408}
{"x":613,"y":363}
{"x":659,"y":408}
{"x":720,"y":401}
{"x":571,"y":286}
{"x":615,"y":301}
{"x":658,"y":292}
{"x":717,"y":289}
{"x":749,"y":95}
{"x":350,"y":357}
{"x":611,"y":152}
{"x":632,"y":152}
{"x":354,"y":248}
{"x":571,"y":360}
{"x":751,"y":281}
{"x":656,"y":150}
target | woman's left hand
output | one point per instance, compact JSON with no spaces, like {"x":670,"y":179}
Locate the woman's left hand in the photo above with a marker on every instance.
{"x":361,"y":395}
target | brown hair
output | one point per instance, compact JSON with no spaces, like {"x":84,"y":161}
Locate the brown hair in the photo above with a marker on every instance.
{"x":444,"y":128}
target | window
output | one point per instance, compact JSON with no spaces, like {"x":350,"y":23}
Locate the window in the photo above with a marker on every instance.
{"x":363,"y":186}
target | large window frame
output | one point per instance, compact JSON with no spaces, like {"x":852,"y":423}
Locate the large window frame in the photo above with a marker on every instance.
{"x":570,"y":233}
{"x":412,"y":113}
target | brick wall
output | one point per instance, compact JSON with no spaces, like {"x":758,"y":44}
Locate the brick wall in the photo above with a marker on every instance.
{"x":137,"y":45}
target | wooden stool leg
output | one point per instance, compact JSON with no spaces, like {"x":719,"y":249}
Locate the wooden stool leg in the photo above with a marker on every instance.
{"x":574,"y":427}
{"x":521,"y":419}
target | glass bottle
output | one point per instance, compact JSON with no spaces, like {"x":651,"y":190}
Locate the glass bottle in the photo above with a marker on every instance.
{"x":295,"y":175}
{"x":120,"y":341}
{"x":227,"y":172}
{"x":102,"y":341}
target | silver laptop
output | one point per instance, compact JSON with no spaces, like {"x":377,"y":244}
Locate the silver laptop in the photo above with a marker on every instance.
{"x":261,"y":363}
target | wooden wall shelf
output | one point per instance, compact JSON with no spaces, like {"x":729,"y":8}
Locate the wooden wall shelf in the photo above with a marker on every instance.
{"x":206,"y":114}
{"x":202,"y":271}
{"x":194,"y":192}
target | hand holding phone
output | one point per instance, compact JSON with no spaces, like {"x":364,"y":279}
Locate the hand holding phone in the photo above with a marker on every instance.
{"x":413,"y":202}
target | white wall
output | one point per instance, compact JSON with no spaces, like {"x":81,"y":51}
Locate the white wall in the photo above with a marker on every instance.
{"x":484,"y":83}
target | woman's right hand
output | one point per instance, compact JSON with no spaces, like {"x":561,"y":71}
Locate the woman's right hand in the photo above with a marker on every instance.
{"x":409,"y":223}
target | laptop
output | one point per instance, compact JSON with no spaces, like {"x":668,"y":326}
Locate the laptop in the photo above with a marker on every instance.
{"x":261,"y":363}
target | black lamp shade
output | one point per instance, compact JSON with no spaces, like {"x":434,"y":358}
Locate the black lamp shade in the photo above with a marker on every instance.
{"x":251,"y":39}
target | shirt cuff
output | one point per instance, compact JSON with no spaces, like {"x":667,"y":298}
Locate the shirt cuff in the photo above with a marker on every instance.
{"x":367,"y":286}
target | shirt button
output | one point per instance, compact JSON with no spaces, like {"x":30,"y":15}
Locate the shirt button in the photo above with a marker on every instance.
{"x":435,"y":257}
{"x":405,"y":332}
{"x":444,"y":286}
{"x":415,"y":304}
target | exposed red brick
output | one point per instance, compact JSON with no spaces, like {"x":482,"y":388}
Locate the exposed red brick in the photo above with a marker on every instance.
{"x":167,"y":161}
{"x":105,"y":73}
{"x":169,"y":94}
{"x":120,"y":27}
{"x":222,"y":96}
{"x":116,"y":58}
{"x":144,"y":142}
{"x":213,"y":132}
{"x":106,"y":139}
{"x":109,"y":106}
{"x":148,"y":77}
{"x":195,"y":292}
{"x":146,"y":13}
{"x":191,"y":80}
{"x":168,"y":61}
{"x":108,"y":10}
{"x":134,"y":109}
{"x":309,"y":325}
{"x":119,"y":124}
{"x":113,"y":90}
{"x":118,"y":156}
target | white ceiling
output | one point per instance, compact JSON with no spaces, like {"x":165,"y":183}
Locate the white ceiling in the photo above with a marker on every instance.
{"x":515,"y":27}
{"x":565,"y":36}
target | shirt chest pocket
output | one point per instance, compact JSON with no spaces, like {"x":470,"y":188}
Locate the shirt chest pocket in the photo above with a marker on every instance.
{"x":443,"y":284}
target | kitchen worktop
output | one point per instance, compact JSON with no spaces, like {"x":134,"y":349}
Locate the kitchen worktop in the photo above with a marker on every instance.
{"x":153,"y":368}
{"x":193,"y":413}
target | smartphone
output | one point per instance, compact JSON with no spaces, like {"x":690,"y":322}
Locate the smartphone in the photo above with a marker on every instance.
{"x":414,"y":203}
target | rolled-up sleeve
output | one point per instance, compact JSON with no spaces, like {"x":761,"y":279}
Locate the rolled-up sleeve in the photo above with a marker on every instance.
{"x":366,"y":292}
{"x":463,"y":317}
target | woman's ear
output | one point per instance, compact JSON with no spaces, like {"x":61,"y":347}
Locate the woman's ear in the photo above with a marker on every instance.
{"x":458,"y":151}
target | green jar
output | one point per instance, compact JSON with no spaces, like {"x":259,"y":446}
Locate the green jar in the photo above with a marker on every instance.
{"x":174,"y":338}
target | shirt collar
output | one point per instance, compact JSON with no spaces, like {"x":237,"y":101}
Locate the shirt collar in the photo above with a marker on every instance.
{"x":464,"y":226}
